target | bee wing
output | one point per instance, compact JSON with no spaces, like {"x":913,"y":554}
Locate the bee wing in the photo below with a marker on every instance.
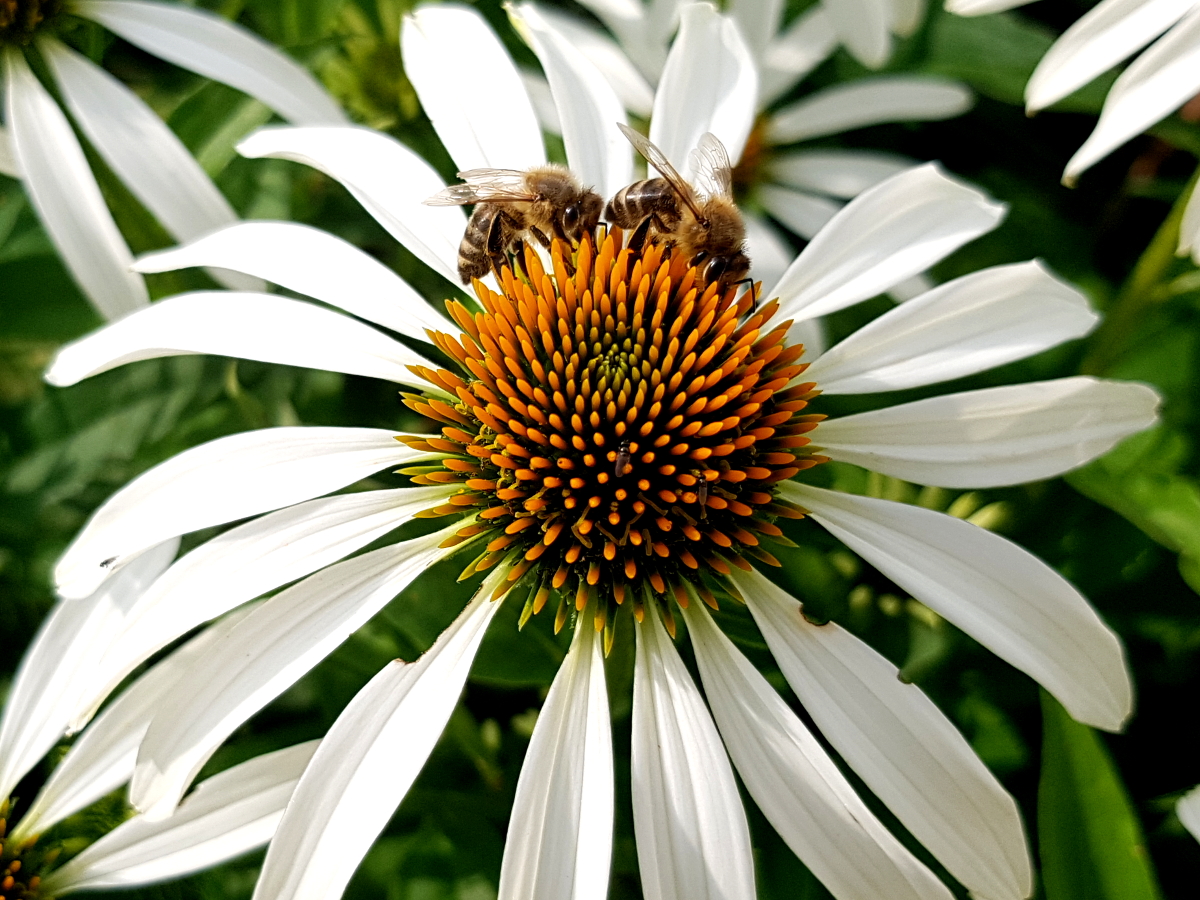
{"x":711,"y":167}
{"x":658,"y":159}
{"x":482,"y":185}
{"x":454,"y":195}
{"x":498,"y":184}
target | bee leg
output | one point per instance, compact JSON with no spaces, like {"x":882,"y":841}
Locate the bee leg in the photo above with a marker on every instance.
{"x":541,"y":237}
{"x":517,"y":248}
{"x":496,"y":242}
{"x":637,"y":239}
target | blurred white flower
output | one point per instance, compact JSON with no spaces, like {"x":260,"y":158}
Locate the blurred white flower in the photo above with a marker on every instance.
{"x":803,"y":189}
{"x":38,"y":145}
{"x":1161,"y":80}
{"x":1188,"y":809}
{"x":56,"y":691}
{"x":503,"y":411}
{"x":730,"y":71}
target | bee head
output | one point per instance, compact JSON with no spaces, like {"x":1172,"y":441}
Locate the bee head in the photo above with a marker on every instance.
{"x":582,"y":215}
{"x":725,"y":268}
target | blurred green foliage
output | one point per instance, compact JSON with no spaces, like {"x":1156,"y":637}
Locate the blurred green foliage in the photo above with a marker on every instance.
{"x":1126,"y":528}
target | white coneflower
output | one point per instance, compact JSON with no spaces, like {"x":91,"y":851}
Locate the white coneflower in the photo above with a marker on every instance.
{"x":1188,"y":809}
{"x":39,"y":146}
{"x":618,"y":440}
{"x":644,"y":31}
{"x":1161,"y":80}
{"x":54,"y":693}
{"x":741,"y":65}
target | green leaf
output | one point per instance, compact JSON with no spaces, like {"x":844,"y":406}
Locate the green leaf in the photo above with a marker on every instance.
{"x":1090,"y":840}
{"x":213,"y":120}
{"x":295,"y":22}
{"x":1137,"y":480}
{"x":527,"y":657}
{"x":996,"y":55}
{"x":39,"y":300}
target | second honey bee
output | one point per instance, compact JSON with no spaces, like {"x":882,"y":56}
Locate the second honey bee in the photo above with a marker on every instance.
{"x":512,"y":205}
{"x":706,"y":227}
{"x":623,"y":454}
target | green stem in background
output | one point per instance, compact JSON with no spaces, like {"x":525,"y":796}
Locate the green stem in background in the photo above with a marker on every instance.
{"x":1140,"y":292}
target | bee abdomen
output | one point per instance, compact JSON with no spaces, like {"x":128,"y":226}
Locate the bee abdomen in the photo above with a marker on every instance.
{"x":636,"y":202}
{"x":474,"y":259}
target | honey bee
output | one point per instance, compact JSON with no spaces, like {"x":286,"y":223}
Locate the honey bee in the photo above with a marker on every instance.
{"x":623,"y":454}
{"x":543,"y":202}
{"x":706,"y":227}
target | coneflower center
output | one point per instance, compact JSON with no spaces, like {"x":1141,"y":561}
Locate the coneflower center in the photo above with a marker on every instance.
{"x":17,"y":881}
{"x":20,"y":19}
{"x":617,"y":426}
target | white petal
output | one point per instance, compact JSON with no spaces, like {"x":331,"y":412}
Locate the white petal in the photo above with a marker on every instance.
{"x":981,"y":7}
{"x":227,"y":815}
{"x":367,"y":762}
{"x":771,"y":256}
{"x":758,"y":20}
{"x":8,"y":156}
{"x":693,"y":842}
{"x":1189,"y":229}
{"x":66,"y":196}
{"x":965,"y":326}
{"x":55,"y":679}
{"x":263,"y":327}
{"x":838,"y":173}
{"x":141,"y":150}
{"x":478,"y":131}
{"x":254,"y":558}
{"x":1188,"y":810}
{"x":387,"y":178}
{"x":211,"y":46}
{"x":884,"y":235}
{"x":996,"y":436}
{"x":588,"y":107}
{"x":864,"y":26}
{"x":1159,"y":81}
{"x":1103,"y":37}
{"x":869,"y":101}
{"x":538,"y":89}
{"x":803,"y":46}
{"x":224,"y":480}
{"x":769,"y":252}
{"x":643,"y":30}
{"x":899,"y":743}
{"x":313,"y":262}
{"x":913,"y":286}
{"x":263,"y":655}
{"x":631,"y":86}
{"x":803,"y":214}
{"x":559,"y":843}
{"x":810,"y":333}
{"x":907,"y":16}
{"x":795,"y":783}
{"x":998,"y":593}
{"x":709,"y":84}
{"x":103,"y":757}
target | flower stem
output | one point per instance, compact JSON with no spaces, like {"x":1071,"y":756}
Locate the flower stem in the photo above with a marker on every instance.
{"x":1141,"y":291}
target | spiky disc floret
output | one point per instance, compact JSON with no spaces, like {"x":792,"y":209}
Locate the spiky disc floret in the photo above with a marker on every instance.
{"x":618,"y":431}
{"x":20,"y":20}
{"x":18,"y":879}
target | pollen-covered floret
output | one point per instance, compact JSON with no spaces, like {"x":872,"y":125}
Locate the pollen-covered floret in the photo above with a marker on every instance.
{"x":618,"y":427}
